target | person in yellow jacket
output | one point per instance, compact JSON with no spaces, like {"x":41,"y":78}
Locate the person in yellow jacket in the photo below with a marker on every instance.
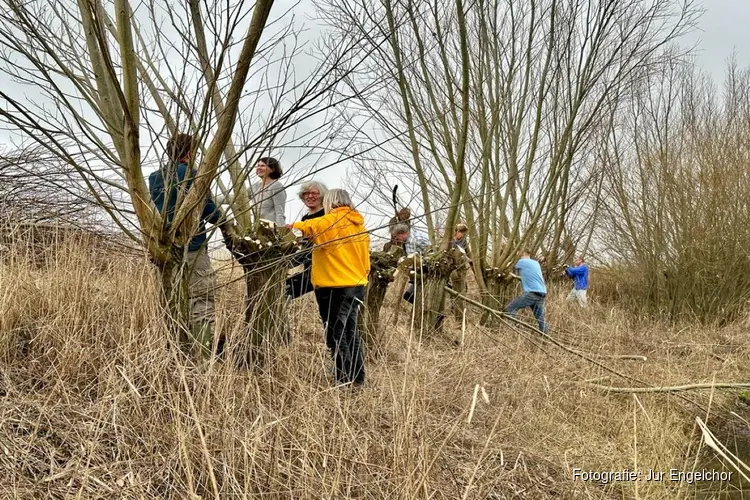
{"x":340,"y":265}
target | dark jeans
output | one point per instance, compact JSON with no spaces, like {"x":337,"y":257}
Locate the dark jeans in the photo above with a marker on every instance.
{"x":533,"y":300}
{"x":338,"y":310}
{"x":299,"y":284}
{"x":409,"y":292}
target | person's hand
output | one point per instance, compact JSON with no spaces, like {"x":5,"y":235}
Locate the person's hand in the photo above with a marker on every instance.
{"x":228,"y":234}
{"x":288,"y":226}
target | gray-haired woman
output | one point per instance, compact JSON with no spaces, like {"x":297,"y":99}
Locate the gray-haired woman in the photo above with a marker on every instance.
{"x":341,"y":264}
{"x":311,"y":193}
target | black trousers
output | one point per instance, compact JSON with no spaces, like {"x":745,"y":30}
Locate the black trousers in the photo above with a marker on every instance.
{"x":339,"y":308}
{"x":409,"y":292}
{"x":299,"y":284}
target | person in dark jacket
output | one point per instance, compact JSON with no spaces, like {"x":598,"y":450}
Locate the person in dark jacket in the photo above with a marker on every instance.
{"x":166,"y":185}
{"x":312,"y":194}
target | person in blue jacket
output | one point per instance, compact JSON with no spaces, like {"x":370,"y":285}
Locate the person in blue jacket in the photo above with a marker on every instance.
{"x":166,"y":184}
{"x":534,"y":290}
{"x":580,"y":276}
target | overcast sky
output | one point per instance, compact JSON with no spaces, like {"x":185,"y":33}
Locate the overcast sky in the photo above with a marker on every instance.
{"x":721,"y":31}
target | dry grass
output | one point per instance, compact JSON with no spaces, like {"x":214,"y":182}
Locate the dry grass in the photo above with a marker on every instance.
{"x":92,"y":403}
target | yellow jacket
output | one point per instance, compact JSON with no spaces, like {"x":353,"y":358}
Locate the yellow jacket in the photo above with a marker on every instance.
{"x":341,"y":251}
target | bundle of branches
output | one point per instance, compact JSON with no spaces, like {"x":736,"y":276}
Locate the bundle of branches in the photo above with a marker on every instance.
{"x":430,"y":272}
{"x":383,"y":267}
{"x":264,"y":256}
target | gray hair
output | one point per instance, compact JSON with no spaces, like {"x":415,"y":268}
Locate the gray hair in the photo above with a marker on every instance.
{"x":307,"y":186}
{"x":400,"y":229}
{"x":337,"y":198}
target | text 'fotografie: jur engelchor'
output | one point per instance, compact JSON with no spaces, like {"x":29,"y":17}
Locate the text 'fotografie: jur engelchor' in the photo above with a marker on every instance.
{"x":674,"y":475}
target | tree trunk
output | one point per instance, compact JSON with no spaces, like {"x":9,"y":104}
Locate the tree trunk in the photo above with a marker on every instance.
{"x":176,"y":300}
{"x":382,"y":269}
{"x":458,"y":282}
{"x":500,"y":291}
{"x":431,"y":274}
{"x":264,"y":257}
{"x":265,"y":310}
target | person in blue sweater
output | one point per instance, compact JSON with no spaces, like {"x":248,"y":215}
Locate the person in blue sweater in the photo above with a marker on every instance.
{"x":165,"y":186}
{"x":534,"y":290}
{"x":580,"y":276}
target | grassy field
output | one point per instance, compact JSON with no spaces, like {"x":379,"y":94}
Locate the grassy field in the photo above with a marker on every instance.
{"x":93,"y":404}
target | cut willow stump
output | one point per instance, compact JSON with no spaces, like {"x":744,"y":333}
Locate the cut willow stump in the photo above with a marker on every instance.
{"x":431,"y":272}
{"x":382,"y":269}
{"x":264,"y":257}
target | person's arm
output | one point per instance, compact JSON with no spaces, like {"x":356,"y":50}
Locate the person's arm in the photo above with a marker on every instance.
{"x":211,"y":211}
{"x":572,"y":272}
{"x":312,"y":227}
{"x":152,"y":185}
{"x":279,"y":203}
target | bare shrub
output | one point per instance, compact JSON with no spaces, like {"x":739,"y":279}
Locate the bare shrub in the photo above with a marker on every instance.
{"x":676,"y":196}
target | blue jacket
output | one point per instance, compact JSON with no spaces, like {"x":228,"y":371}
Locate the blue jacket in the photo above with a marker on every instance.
{"x":162,"y":190}
{"x":580,"y":276}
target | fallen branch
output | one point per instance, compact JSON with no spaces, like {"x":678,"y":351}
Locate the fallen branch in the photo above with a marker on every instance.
{"x":509,"y":318}
{"x":517,"y":321}
{"x":675,"y":388}
{"x":723,"y":451}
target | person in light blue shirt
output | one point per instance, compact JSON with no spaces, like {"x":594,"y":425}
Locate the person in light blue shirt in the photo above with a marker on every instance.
{"x":417,"y":242}
{"x":534,"y":290}
{"x":580,"y":276}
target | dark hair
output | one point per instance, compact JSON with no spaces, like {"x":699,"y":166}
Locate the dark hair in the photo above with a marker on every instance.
{"x":274,"y":165}
{"x":180,"y":146}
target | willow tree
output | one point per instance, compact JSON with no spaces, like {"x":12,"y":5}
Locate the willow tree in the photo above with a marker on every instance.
{"x":111,"y":80}
{"x":392,"y":66}
{"x":545,"y":77}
